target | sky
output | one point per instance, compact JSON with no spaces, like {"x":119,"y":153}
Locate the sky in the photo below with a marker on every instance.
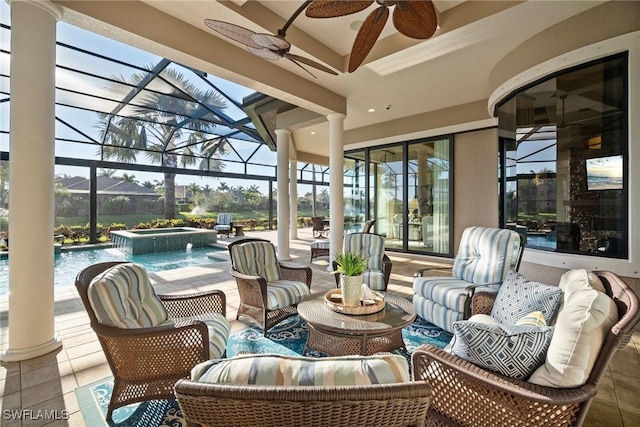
{"x":85,"y":120}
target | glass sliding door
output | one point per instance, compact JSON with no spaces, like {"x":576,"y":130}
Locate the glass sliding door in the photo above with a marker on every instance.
{"x":406,"y":188}
{"x":428,"y":197}
{"x":388,"y":175}
{"x":355,"y":183}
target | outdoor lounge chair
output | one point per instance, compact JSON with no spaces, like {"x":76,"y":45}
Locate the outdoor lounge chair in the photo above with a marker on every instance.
{"x":224,"y":224}
{"x":150,"y":341}
{"x":269,"y":290}
{"x":321,"y":247}
{"x":319,"y":227}
{"x":465,"y":394}
{"x":378,"y":270}
{"x":484,"y":257}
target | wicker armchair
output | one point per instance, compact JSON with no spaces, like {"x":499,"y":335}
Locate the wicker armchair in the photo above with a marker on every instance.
{"x":147,"y":361}
{"x":319,"y":227}
{"x":381,"y":405}
{"x":269,"y":290}
{"x":467,"y":395}
{"x":379,"y":265}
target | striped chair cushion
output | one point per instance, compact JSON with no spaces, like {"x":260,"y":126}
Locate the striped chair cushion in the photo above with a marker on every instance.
{"x":221,"y":227}
{"x":224,"y":219}
{"x":320,"y":244}
{"x":283,"y":293}
{"x":123,"y":297}
{"x":485,"y":255}
{"x":256,"y":259}
{"x":370,"y":245}
{"x":436,"y":314}
{"x":374,"y":279}
{"x":219,"y":329}
{"x":266,"y":369}
{"x":447,"y":291}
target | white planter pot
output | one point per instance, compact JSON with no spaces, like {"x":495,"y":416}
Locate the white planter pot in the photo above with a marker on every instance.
{"x":351,"y":287}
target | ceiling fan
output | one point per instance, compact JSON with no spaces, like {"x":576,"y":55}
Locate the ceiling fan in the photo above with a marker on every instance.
{"x":413,"y":18}
{"x":267,"y":46}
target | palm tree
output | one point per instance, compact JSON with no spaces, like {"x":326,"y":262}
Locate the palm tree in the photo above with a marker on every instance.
{"x":128,"y":178}
{"x":110,"y":173}
{"x":166,"y":128}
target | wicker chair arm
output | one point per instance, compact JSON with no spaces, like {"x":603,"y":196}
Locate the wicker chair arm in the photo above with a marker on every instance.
{"x":169,"y":349}
{"x":482,"y":302}
{"x":247,"y":288}
{"x":420,"y":273}
{"x":430,"y":363}
{"x":183,"y":305}
{"x":299,"y":273}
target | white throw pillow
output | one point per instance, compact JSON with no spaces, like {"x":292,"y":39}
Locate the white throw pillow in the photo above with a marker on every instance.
{"x":583,"y":323}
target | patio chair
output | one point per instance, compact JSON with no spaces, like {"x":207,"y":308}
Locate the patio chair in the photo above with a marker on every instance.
{"x":484,"y":257}
{"x":150,"y":341}
{"x":378,"y":270}
{"x":465,"y":394}
{"x":321,"y":247}
{"x":319,"y":227}
{"x":341,"y":393}
{"x":269,"y":290}
{"x":224,"y":224}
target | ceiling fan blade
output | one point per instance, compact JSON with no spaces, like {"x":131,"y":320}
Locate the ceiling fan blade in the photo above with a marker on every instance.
{"x":415,"y":19}
{"x":335,"y":8}
{"x":310,"y":63}
{"x":270,"y":41}
{"x":234,"y":32}
{"x":264,"y":53}
{"x":367,"y":36}
{"x":299,"y":65}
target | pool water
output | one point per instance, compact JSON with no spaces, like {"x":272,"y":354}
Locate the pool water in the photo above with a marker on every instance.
{"x":541,"y":241}
{"x":69,"y":263}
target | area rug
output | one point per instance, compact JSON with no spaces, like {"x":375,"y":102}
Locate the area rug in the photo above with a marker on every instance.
{"x":94,"y":398}
{"x":288,"y":337}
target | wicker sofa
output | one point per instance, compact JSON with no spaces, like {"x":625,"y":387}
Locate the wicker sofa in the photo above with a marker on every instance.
{"x":467,"y":395}
{"x":289,"y":391}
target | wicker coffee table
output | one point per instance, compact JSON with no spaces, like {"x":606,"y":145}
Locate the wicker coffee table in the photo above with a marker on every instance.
{"x":339,"y":334}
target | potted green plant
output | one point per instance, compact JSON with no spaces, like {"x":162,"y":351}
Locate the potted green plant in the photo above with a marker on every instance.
{"x":350,"y":266}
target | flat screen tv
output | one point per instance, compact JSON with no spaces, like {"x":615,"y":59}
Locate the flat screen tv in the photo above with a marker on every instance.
{"x":604,"y":173}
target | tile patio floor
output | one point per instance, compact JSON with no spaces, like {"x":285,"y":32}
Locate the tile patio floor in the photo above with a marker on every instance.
{"x":48,"y":382}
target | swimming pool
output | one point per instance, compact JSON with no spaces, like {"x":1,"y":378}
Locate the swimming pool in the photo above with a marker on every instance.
{"x":69,"y":263}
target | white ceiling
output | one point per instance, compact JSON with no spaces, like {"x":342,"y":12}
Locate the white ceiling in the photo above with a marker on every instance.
{"x":401,"y":77}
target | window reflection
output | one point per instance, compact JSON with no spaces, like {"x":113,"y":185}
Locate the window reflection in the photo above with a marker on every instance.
{"x":564,"y":152}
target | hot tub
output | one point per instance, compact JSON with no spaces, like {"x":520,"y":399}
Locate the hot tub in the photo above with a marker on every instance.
{"x":154,"y":240}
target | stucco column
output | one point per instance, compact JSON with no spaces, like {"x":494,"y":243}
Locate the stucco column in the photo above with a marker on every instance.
{"x":31,"y":169}
{"x":283,"y":193}
{"x":336,"y":184}
{"x":293,"y":198}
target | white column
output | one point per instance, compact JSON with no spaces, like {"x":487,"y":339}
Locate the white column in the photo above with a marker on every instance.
{"x":31,"y":169}
{"x":293,"y":198}
{"x":283,"y":196}
{"x":336,"y":184}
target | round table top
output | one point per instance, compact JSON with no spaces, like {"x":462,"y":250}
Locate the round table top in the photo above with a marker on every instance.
{"x":397,"y":313}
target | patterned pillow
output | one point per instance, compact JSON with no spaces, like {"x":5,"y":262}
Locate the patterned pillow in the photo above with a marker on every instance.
{"x":519,"y":296}
{"x":514,"y":351}
{"x":269,"y":369}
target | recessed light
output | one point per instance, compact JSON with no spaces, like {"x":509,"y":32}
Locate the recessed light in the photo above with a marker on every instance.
{"x":313,"y":132}
{"x":355,"y":25}
{"x":371,"y":110}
